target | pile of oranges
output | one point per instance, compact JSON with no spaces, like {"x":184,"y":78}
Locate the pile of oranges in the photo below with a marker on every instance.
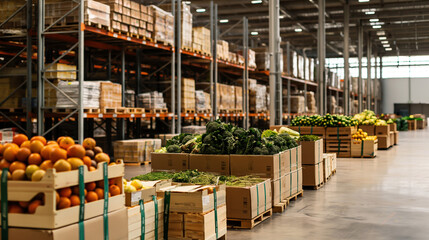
{"x":69,"y":196}
{"x":28,"y":159}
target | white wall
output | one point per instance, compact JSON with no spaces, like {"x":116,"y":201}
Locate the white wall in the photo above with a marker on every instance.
{"x":396,"y":90}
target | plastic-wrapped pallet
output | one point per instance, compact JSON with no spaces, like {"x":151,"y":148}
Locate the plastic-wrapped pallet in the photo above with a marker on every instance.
{"x":258,"y":98}
{"x":163,"y":25}
{"x":263,"y":58}
{"x":202,"y":103}
{"x":238,"y":93}
{"x":186,"y":26}
{"x":151,"y":100}
{"x":225,"y":97}
{"x":311,"y":69}
{"x":294,"y":61}
{"x":311,"y":102}
{"x":201,"y":40}
{"x":188,"y":94}
{"x":135,"y":150}
{"x":222,"y":49}
{"x":91,"y":94}
{"x":62,"y":72}
{"x":194,"y":129}
{"x":130,"y":97}
{"x":296,"y":104}
{"x":110,"y":95}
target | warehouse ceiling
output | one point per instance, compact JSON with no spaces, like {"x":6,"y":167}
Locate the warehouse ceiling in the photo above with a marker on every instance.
{"x":404,"y":24}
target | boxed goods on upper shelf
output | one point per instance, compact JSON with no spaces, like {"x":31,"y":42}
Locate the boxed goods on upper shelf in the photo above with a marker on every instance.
{"x":263,"y":58}
{"x":163,"y":30}
{"x":201,"y":40}
{"x":135,"y":150}
{"x":152,"y":100}
{"x":186,"y":24}
{"x":202,"y":101}
{"x":91,"y":94}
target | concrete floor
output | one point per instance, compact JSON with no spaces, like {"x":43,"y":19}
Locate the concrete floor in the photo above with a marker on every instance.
{"x":382,"y":198}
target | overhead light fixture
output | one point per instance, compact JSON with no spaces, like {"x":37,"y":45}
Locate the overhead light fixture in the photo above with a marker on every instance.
{"x":384,"y":42}
{"x":282,"y":16}
{"x":373,"y":20}
{"x":388,"y":49}
{"x":370,"y":13}
{"x":376,"y":26}
{"x":382,"y":38}
{"x":187,"y":2}
{"x":381,"y":33}
{"x":363,"y":0}
{"x":201,"y":10}
{"x":386,"y":45}
{"x":223,"y":20}
{"x":254,"y":33}
{"x":256,"y":1}
{"x":298,"y":30}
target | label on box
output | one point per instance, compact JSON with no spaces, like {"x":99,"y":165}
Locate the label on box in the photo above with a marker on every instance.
{"x":206,"y":200}
{"x":136,"y":196}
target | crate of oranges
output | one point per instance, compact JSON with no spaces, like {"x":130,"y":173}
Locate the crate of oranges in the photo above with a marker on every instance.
{"x":43,"y":180}
{"x":364,"y":145}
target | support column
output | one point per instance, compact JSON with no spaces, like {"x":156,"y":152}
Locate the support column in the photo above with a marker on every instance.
{"x":120,"y":130}
{"x":214,"y":65}
{"x":346,"y":54}
{"x":374,"y":89}
{"x":173,"y":77}
{"x":81,"y":71}
{"x":40,"y":66}
{"x":321,"y":53}
{"x":246,"y":73}
{"x":360,"y":55}
{"x":179,"y":64}
{"x":289,"y":70}
{"x":275,"y":74}
{"x":368,"y":68}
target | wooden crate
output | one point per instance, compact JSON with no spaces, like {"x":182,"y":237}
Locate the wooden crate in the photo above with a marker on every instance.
{"x":337,"y":133}
{"x":202,"y":226}
{"x":47,"y":216}
{"x":59,"y":73}
{"x":382,"y":130}
{"x":134,"y":220}
{"x":412,"y":125}
{"x":135,"y":150}
{"x":310,"y":130}
{"x":370,"y":129}
{"x":341,"y":146}
{"x":383,"y":142}
{"x":365,"y":148}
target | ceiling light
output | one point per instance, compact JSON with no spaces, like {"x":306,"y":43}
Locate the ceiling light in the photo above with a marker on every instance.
{"x":373,"y":20}
{"x":381,"y":33}
{"x":382,"y":38}
{"x":187,"y":2}
{"x":370,"y":13}
{"x":223,"y":20}
{"x":384,"y":42}
{"x":363,"y":0}
{"x":386,"y":45}
{"x":298,"y":30}
{"x":256,"y":1}
{"x":388,"y":49}
{"x":201,"y":10}
{"x":254,"y":33}
{"x":376,"y":26}
{"x":282,"y":16}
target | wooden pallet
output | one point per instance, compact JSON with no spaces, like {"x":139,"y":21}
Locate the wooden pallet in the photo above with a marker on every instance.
{"x":91,"y":110}
{"x":281,"y":207}
{"x":334,"y":172}
{"x":336,"y":133}
{"x":156,"y":110}
{"x":160,"y":41}
{"x":341,"y":147}
{"x":13,"y":110}
{"x":97,"y":25}
{"x":114,"y":110}
{"x":295,"y":196}
{"x":249,"y":223}
{"x":188,"y":110}
{"x":189,"y":49}
{"x":315,"y":187}
{"x":204,"y":111}
{"x":69,"y":110}
{"x":135,"y":110}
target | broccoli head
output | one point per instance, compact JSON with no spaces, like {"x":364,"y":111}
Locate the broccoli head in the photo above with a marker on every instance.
{"x":187,"y":138}
{"x":174,"y":149}
{"x":213,"y":126}
{"x":261,"y":151}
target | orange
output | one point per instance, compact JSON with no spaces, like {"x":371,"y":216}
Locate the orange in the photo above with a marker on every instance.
{"x":66,"y":142}
{"x":15,"y":208}
{"x":1,"y":146}
{"x":65,"y":192}
{"x":75,"y":191}
{"x":35,"y":159}
{"x":24,"y":204}
{"x":6,"y":146}
{"x":57,"y":154}
{"x":36,"y":146}
{"x":59,"y":139}
{"x":89,"y":143}
{"x":92,"y":196}
{"x":87,"y":161}
{"x":114,"y":190}
{"x":26,"y":144}
{"x":100,"y":193}
{"x":46,"y":151}
{"x":75,"y":201}
{"x":23,"y":154}
{"x":52,"y":143}
{"x":92,"y":169}
{"x":47,"y":164}
{"x":112,"y":181}
{"x":39,"y":138}
{"x":16,"y":165}
{"x":102,"y":157}
{"x":57,"y":197}
{"x":90,"y":186}
{"x":33,"y":206}
{"x":10,"y":153}
{"x":4,"y":164}
{"x":76,"y":151}
{"x":19,"y":139}
{"x":64,"y":203}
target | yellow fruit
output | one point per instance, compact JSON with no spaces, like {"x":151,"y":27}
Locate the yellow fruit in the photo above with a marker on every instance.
{"x":75,"y":163}
{"x":38,"y":175}
{"x":62,"y":166}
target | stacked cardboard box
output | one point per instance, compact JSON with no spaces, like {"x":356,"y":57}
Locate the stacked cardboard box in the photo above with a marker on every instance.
{"x":257,"y":98}
{"x":163,"y":29}
{"x":186,"y":24}
{"x":152,"y":100}
{"x":202,"y":101}
{"x":110,"y":95}
{"x":251,"y":58}
{"x":311,"y":102}
{"x":130,"y":98}
{"x":188,"y":95}
{"x":263,"y":59}
{"x":238,"y":93}
{"x":95,"y":12}
{"x":383,"y":136}
{"x":331,"y":162}
{"x":61,"y":71}
{"x":91,"y":94}
{"x":135,"y":150}
{"x":223,"y":50}
{"x":312,"y":163}
{"x":296,"y":103}
{"x":150,"y":223}
{"x":225,"y":97}
{"x":201,"y":40}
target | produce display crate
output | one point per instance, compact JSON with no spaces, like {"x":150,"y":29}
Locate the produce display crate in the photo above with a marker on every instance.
{"x":134,"y":220}
{"x":211,"y":163}
{"x":412,"y":125}
{"x":396,"y":138}
{"x":382,"y":130}
{"x":313,"y":175}
{"x":312,"y":151}
{"x":327,"y":169}
{"x":365,"y":148}
{"x":306,"y":130}
{"x":341,"y":147}
{"x":340,"y":133}
{"x":370,"y":129}
{"x":171,"y":162}
{"x":47,"y":216}
{"x":393,"y":127}
{"x":383,"y":142}
{"x":332,"y":157}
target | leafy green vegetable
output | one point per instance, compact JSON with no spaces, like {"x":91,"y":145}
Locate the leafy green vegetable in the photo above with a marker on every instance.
{"x":269,"y":133}
{"x":154,"y":176}
{"x":308,"y":138}
{"x":174,"y":149}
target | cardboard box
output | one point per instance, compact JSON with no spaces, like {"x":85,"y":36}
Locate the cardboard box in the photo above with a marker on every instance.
{"x":202,"y":226}
{"x":242,"y":202}
{"x":365,"y":148}
{"x":170,"y":161}
{"x":332,"y":158}
{"x":370,"y":129}
{"x":295,"y":158}
{"x":134,"y":220}
{"x":280,"y":188}
{"x":313,"y":174}
{"x":216,"y":164}
{"x":118,"y":229}
{"x":266,"y":166}
{"x":392,"y":138}
{"x":382,"y":130}
{"x":135,"y":150}
{"x":296,"y":181}
{"x":327,"y":169}
{"x":196,"y":198}
{"x":133,"y":199}
{"x":396,"y":138}
{"x":312,"y":151}
{"x":165,"y":137}
{"x":383,"y":142}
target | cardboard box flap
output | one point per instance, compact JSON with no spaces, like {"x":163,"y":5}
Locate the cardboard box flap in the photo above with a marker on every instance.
{"x":187,"y":188}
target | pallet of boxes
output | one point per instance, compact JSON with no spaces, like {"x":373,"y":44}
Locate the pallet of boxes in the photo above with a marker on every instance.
{"x":64,"y":201}
{"x":384,"y":136}
{"x":314,"y":167}
{"x":135,"y":151}
{"x":338,"y":140}
{"x":394,"y":133}
{"x":363,"y":145}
